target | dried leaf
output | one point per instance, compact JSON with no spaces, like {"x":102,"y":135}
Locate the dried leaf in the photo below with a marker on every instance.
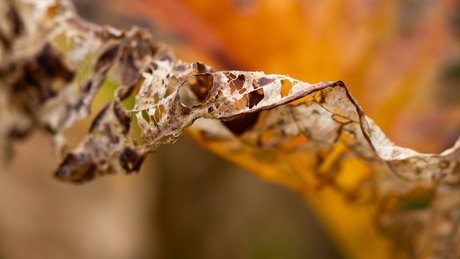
{"x":249,"y":117}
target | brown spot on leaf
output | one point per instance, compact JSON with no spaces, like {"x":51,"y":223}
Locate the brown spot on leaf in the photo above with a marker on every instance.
{"x":321,"y":97}
{"x":42,"y":77}
{"x":242,"y":123}
{"x":97,"y":121}
{"x":201,"y":67}
{"x":166,"y":57}
{"x":107,"y":57}
{"x":19,"y":132}
{"x":130,"y":160}
{"x":123,"y":116}
{"x":129,"y":69}
{"x":16,"y":21}
{"x":76,"y":168}
{"x":130,"y":76}
{"x":265,"y":81}
{"x":86,"y":87}
{"x":51,"y":62}
{"x":181,"y":67}
{"x":17,"y":27}
{"x":5,"y":41}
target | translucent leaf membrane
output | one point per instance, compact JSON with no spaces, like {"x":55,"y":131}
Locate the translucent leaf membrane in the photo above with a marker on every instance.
{"x":376,"y":197}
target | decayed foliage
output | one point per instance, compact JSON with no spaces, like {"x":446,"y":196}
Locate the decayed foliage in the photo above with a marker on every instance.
{"x":53,"y":64}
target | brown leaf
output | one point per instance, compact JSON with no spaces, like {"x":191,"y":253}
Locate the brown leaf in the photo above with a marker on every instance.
{"x":249,"y":117}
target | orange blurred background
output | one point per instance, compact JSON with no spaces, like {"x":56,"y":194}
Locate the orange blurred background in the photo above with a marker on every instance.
{"x":401,"y":60}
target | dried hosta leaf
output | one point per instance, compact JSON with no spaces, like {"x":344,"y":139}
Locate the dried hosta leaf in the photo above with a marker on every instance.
{"x":249,"y":117}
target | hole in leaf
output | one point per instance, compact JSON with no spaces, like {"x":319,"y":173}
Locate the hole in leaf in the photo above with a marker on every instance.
{"x":285,"y":88}
{"x":161,"y":111}
{"x":201,"y":85}
{"x":255,"y":97}
{"x":236,"y":82}
{"x":145,"y":115}
{"x":171,"y":87}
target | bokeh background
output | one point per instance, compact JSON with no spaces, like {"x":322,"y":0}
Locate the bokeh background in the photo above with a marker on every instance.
{"x":401,"y":60}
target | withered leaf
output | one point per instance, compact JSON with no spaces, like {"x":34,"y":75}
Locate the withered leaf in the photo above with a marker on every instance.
{"x":237,"y":114}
